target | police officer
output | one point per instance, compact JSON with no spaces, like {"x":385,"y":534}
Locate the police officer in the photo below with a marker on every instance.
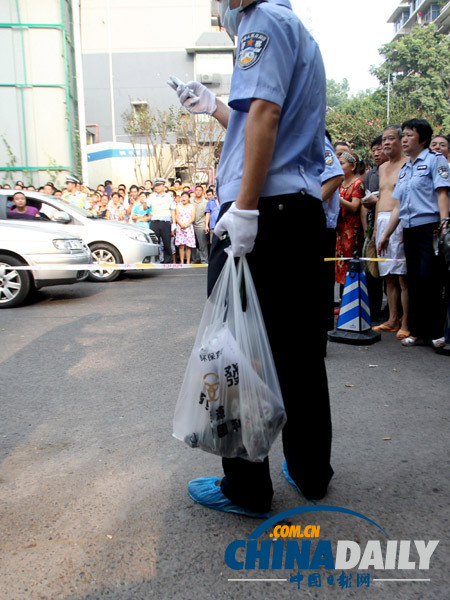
{"x":73,"y":195}
{"x":422,"y":201}
{"x":160,"y":202}
{"x":269,"y":187}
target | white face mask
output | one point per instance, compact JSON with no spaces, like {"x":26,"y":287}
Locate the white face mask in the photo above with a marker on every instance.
{"x":230,"y":19}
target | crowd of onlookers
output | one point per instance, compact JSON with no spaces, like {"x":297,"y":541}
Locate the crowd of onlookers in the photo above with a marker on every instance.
{"x":397,"y":210}
{"x":182,"y":217}
{"x":390,"y":209}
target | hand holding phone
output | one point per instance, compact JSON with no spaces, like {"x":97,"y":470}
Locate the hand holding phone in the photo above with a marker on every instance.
{"x":174,"y":82}
{"x":194,"y":96}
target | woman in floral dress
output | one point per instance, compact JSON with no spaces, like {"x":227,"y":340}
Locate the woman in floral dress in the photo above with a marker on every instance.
{"x":185,"y":237}
{"x":349,"y":234}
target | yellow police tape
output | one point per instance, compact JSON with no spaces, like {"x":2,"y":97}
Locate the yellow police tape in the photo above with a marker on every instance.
{"x":150,"y":266}
{"x":100,"y":266}
{"x":337,"y":258}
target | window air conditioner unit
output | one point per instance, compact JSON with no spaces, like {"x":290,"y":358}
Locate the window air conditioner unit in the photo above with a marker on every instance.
{"x":206,"y":78}
{"x":211,"y":78}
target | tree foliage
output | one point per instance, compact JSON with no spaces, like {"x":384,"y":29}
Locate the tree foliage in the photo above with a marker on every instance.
{"x":419,"y":67}
{"x":337,"y":92}
{"x":174,"y":139}
{"x":362,"y":118}
{"x":151,"y":128}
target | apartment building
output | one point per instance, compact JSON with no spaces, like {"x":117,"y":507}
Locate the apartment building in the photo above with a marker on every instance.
{"x":130,"y":47}
{"x":420,"y":12}
{"x":40,"y":93}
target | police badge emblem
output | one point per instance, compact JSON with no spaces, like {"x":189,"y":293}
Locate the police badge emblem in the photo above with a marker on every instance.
{"x":329,"y":160}
{"x":443,"y":172}
{"x":251,"y":49}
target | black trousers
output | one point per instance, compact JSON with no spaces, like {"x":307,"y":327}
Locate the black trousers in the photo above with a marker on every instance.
{"x":425,"y":280}
{"x":291,"y":288}
{"x":163,"y":231}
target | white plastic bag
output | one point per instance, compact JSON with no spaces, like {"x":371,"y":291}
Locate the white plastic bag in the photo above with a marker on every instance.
{"x":230,"y":402}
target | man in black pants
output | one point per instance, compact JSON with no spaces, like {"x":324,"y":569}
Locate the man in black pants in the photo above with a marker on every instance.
{"x":161,"y":222}
{"x":269,"y":185}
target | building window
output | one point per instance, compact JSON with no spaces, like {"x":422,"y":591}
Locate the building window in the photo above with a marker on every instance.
{"x":431,"y":14}
{"x":139,"y":105}
{"x":402,"y":20}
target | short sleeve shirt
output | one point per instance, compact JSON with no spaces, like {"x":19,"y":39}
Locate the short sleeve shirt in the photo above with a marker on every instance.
{"x":138,"y":210}
{"x":277,"y":61}
{"x":29,"y":210}
{"x":372,"y":180}
{"x":212,"y":208}
{"x":332,"y":169}
{"x":200,"y":209}
{"x":416,"y":188}
{"x":76,"y":199}
{"x":161,"y":206}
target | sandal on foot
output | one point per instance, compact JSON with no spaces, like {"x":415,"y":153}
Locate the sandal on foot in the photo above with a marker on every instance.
{"x":412,"y":341}
{"x":402,"y":334}
{"x":438,"y":343}
{"x":383,"y":327}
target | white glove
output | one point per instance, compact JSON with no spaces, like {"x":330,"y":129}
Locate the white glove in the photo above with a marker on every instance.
{"x":242,"y":227}
{"x":203,"y":102}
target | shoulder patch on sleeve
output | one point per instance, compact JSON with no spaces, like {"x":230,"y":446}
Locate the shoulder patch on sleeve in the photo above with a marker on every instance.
{"x":251,"y":48}
{"x":443,"y":172}
{"x":329,"y":159}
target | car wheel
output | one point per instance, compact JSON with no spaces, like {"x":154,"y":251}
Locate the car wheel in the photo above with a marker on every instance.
{"x":104,"y":253}
{"x":14,"y":285}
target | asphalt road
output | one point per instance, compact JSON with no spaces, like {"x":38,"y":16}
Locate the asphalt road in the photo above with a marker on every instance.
{"x":93,"y":499}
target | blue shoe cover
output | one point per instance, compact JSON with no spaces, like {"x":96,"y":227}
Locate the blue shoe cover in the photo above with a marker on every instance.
{"x":292,"y":482}
{"x":205,"y":491}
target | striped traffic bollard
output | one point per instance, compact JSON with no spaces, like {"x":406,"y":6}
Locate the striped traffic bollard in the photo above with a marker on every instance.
{"x":354,"y":324}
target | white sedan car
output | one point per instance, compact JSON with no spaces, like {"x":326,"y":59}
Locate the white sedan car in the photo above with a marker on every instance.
{"x":24,"y":244}
{"x":109,"y":241}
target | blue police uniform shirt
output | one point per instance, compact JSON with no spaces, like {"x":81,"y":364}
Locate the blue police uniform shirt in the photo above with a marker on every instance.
{"x":416,"y":188}
{"x":278,"y":61}
{"x":332,"y":169}
{"x":213,"y":209}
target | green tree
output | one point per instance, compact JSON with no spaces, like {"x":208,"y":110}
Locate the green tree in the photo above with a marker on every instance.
{"x":362,"y":118}
{"x":418,"y":66}
{"x":152,"y":128}
{"x":337,"y":93}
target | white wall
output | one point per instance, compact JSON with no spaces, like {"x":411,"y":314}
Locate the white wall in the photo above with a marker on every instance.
{"x":143,"y":25}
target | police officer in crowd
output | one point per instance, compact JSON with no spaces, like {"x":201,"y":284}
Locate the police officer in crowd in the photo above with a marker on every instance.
{"x":73,"y":195}
{"x":161,"y":202}
{"x":269,"y":182}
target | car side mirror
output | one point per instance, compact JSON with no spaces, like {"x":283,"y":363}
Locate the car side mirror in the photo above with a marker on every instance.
{"x":61,"y":217}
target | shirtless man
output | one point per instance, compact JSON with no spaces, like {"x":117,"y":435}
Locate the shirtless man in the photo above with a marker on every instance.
{"x":393,"y":271}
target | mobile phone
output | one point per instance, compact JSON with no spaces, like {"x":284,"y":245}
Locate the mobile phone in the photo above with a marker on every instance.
{"x":174,"y":82}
